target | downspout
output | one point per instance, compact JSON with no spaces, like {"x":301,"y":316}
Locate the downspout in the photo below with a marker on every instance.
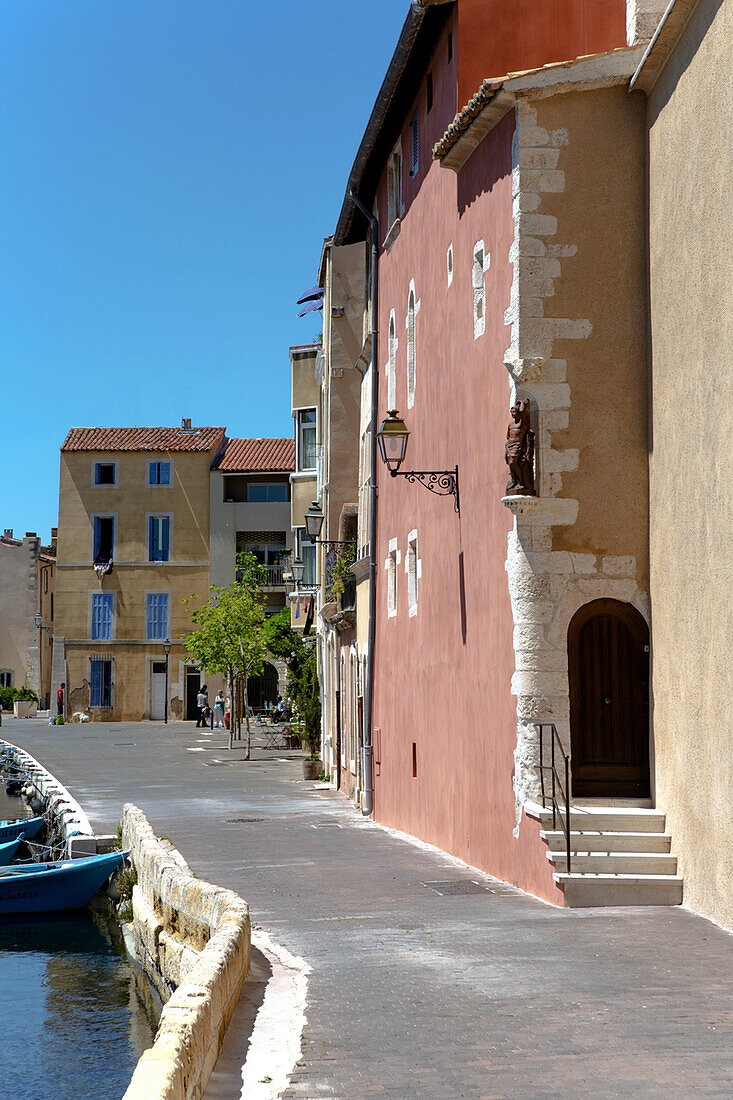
{"x":368,"y":805}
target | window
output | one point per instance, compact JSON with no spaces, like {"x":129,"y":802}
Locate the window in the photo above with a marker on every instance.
{"x":365,"y":455}
{"x":269,"y":492}
{"x":104,"y":473}
{"x":268,"y":548}
{"x":481,"y":263}
{"x":45,"y":581}
{"x":414,"y":143}
{"x":411,"y":348}
{"x":6,"y":678}
{"x":103,"y":610}
{"x":158,"y":538}
{"x":394,"y":186}
{"x":449,"y":263}
{"x":100,"y":679}
{"x":159,"y":473}
{"x":391,"y":366}
{"x":412,"y":568}
{"x":306,"y":550}
{"x":429,"y":91}
{"x":391,"y":566}
{"x":157,"y":616}
{"x":307,"y":452}
{"x":104,"y":538}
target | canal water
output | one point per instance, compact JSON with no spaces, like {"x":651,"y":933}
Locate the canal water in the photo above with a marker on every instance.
{"x":76,"y":1013}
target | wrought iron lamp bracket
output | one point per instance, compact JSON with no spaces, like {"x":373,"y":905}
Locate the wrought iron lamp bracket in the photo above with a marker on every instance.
{"x":441,"y":482}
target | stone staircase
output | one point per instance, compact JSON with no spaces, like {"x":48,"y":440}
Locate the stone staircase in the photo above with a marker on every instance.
{"x":618,"y":856}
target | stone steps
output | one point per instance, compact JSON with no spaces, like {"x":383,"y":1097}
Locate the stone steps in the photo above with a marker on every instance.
{"x":583,"y":890}
{"x":608,"y":841}
{"x":618,"y":856}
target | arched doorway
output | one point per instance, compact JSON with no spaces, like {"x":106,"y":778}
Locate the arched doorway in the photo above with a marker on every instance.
{"x":608,"y":666}
{"x":262,"y":690}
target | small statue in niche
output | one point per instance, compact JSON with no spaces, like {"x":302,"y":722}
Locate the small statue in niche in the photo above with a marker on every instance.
{"x":519,"y":452}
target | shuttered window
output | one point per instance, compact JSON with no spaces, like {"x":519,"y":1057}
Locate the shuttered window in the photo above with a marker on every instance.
{"x":100,"y":682}
{"x":159,"y":473}
{"x":157,"y":616}
{"x":159,"y":538}
{"x":415,"y":135}
{"x":102,"y":615}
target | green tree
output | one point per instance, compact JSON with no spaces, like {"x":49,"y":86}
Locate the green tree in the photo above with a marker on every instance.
{"x":229,"y":635}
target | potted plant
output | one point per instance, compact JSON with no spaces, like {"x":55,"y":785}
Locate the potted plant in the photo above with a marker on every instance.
{"x":25,"y":703}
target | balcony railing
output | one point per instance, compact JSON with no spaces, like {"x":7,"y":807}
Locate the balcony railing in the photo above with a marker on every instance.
{"x":274,"y":575}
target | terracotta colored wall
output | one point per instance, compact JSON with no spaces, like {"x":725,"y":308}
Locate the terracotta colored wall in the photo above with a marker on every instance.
{"x":496,"y":37}
{"x":442,"y":678}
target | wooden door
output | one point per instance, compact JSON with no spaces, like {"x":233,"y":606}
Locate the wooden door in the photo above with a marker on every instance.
{"x":608,"y":664}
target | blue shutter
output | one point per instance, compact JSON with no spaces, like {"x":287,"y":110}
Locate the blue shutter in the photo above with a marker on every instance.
{"x":102,"y":614}
{"x":164,"y":473}
{"x":165,"y":523}
{"x":96,"y":684}
{"x":153,"y":473}
{"x":163,"y":615}
{"x":151,"y":539}
{"x":151,"y":615}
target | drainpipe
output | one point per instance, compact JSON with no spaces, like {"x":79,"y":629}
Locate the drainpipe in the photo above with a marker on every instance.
{"x":368,"y":806}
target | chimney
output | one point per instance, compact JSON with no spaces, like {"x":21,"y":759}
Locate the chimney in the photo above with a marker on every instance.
{"x":54,"y":538}
{"x":8,"y":533}
{"x":186,"y":423}
{"x":31,"y":535}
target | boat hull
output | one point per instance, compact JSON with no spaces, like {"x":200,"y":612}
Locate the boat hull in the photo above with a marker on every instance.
{"x":7,"y":851}
{"x":24,"y":828}
{"x":48,"y":887}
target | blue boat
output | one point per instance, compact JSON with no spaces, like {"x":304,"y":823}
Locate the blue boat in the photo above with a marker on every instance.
{"x":47,"y":887}
{"x":24,"y":827}
{"x":7,"y":851}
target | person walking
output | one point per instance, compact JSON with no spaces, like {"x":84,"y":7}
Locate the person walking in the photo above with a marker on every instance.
{"x":202,"y":702}
{"x":219,"y":710}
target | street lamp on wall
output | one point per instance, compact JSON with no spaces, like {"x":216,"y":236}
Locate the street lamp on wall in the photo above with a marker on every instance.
{"x":166,"y":649}
{"x":313,"y":520}
{"x":392,"y":438}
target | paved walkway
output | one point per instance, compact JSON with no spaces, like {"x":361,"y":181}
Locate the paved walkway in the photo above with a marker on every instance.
{"x":414,"y":992}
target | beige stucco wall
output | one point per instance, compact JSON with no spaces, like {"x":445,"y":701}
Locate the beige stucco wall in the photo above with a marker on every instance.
{"x":600,"y":213}
{"x":19,"y":600}
{"x":691,"y":470}
{"x":132,"y":577}
{"x":228,"y":517}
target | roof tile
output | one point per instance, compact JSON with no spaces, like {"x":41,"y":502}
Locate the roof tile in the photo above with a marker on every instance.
{"x":257,"y":455}
{"x":143,"y":439}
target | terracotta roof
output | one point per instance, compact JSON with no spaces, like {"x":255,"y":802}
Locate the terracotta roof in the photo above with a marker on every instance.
{"x":599,"y":69}
{"x":143,"y":439}
{"x":242,"y":455}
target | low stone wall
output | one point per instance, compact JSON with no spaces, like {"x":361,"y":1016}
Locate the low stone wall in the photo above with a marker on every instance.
{"x":193,"y":941}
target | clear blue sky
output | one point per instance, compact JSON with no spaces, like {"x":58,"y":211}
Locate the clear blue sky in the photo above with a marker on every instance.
{"x":168,"y":170}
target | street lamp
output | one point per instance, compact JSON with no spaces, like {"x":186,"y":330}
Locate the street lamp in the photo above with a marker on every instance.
{"x":314,"y":521}
{"x":392,"y":438}
{"x":297,"y":569}
{"x":166,"y":650}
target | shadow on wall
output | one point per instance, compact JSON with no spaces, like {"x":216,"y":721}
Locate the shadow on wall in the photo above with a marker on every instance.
{"x":79,"y":698}
{"x":490,"y":162}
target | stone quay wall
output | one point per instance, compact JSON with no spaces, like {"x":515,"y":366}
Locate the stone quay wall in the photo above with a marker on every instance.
{"x":70,"y":820}
{"x":193,"y":942}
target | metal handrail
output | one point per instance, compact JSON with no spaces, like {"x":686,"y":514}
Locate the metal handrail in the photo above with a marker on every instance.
{"x":557,"y":785}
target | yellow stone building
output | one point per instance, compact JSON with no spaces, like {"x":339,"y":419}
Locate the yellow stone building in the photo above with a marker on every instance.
{"x":134,"y":513}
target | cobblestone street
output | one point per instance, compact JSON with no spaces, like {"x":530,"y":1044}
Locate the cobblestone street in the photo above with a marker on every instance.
{"x":423,"y":984}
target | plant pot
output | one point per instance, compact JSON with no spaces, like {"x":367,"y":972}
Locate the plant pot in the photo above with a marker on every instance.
{"x":24,"y":708}
{"x":311,"y":769}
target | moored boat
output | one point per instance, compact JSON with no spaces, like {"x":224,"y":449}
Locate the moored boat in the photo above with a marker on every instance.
{"x":63,"y":884}
{"x":7,"y":851}
{"x":24,"y":828}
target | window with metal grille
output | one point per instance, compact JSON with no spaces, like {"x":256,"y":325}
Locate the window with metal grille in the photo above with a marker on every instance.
{"x":415,"y":143}
{"x":391,"y":367}
{"x":103,"y":609}
{"x":159,"y":538}
{"x":100,"y":682}
{"x":411,"y":349}
{"x":158,"y":627}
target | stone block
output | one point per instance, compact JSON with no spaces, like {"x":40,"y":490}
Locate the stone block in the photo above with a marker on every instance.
{"x":528,"y":135}
{"x":619,"y":566}
{"x":537,"y":225}
{"x":545,"y":683}
{"x":584,"y":563}
{"x":544,"y":159}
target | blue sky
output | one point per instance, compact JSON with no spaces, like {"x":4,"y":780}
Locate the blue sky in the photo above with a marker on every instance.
{"x":168,"y":170}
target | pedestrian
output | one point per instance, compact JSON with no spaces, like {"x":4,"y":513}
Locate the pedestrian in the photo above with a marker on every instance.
{"x":280,"y":709}
{"x":60,"y":701}
{"x":219,"y":709}
{"x":202,"y":702}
